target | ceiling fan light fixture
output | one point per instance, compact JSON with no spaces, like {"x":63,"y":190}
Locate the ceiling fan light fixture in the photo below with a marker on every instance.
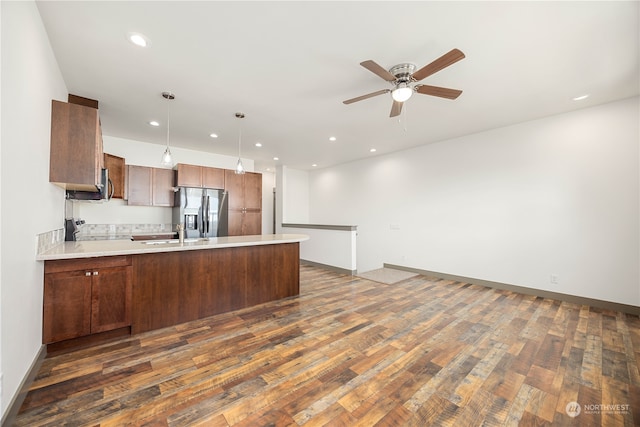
{"x":402,"y":92}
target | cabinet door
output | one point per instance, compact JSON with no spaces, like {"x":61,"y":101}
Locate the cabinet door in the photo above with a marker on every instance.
{"x":212,"y":178}
{"x":162,"y":181}
{"x":251,"y":222}
{"x":116,"y":167}
{"x":189,"y":175}
{"x":110,"y":298}
{"x":235,"y":222}
{"x":76,"y":144}
{"x":67,"y":306}
{"x":234,"y":184}
{"x":252,"y":190}
{"x":139,"y":185}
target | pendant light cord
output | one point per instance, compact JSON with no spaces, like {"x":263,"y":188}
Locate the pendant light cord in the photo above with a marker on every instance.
{"x":239,"y":139}
{"x":167,"y":159}
{"x":168,"y":99}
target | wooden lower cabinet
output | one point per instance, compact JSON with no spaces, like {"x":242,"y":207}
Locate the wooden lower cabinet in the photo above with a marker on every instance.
{"x":274,"y":265}
{"x":245,"y":222}
{"x":86,"y":296}
{"x":83,"y":297}
{"x":176,"y":287}
{"x":111,"y":298}
{"x":67,"y":306}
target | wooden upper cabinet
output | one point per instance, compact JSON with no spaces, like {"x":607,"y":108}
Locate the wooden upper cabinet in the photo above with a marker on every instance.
{"x":234,"y":184}
{"x":162,"y":187}
{"x":138,"y":185}
{"x":149,"y":186}
{"x":245,"y":191}
{"x":253,"y":190}
{"x":189,"y":175}
{"x":115,"y":165}
{"x":199,"y":176}
{"x":76,"y":158}
{"x":212,"y":177}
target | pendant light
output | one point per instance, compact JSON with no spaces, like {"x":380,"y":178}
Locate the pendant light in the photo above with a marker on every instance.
{"x":239,"y":166}
{"x":167,"y":159}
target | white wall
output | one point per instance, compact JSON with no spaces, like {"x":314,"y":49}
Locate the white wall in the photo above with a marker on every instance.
{"x":335,"y":248}
{"x":295,"y":195}
{"x":147,"y":154}
{"x":140,"y":153}
{"x":30,"y":204}
{"x":559,"y":195}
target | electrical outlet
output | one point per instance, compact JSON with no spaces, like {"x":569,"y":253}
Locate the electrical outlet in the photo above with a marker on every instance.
{"x":553,"y":279}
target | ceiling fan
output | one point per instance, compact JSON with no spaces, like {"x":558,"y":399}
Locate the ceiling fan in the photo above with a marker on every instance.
{"x":402,"y":75}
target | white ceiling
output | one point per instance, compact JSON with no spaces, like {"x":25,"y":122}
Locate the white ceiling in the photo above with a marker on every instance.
{"x":289,"y":65}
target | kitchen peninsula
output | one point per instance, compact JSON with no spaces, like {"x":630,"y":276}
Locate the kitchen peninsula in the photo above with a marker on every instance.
{"x":93,"y":288}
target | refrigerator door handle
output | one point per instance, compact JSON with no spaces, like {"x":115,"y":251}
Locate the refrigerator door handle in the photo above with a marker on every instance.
{"x":206,"y":216}
{"x":203,"y":214}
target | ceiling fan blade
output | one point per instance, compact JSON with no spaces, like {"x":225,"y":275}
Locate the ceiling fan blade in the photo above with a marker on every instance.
{"x":377,"y":69}
{"x":396,"y":109}
{"x":444,"y":61}
{"x":369,"y":95}
{"x":442,"y":92}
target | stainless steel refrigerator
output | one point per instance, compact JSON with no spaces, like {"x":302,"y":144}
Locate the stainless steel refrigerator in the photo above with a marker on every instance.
{"x":203,"y":211}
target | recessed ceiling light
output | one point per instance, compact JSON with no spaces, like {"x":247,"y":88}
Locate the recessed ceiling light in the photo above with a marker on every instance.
{"x":332,"y":138}
{"x":138,"y":39}
{"x":314,"y":165}
{"x":154,"y":123}
{"x":276,"y":158}
{"x":372,"y":150}
{"x":581,"y":97}
{"x":213,"y":135}
{"x":258,"y":144}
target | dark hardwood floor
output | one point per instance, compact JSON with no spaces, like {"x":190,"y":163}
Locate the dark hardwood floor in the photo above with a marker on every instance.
{"x":353,"y":352}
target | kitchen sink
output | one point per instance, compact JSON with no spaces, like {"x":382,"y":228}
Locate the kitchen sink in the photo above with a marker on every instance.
{"x":165,"y":242}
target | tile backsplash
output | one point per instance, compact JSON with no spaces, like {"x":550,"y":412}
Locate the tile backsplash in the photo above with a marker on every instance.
{"x":48,"y":240}
{"x":119,"y":231}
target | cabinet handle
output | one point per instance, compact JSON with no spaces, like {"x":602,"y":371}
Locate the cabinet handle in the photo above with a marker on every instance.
{"x":87,"y":273}
{"x":95,"y":273}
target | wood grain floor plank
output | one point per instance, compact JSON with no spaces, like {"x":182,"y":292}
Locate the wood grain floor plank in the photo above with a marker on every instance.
{"x":349,"y":351}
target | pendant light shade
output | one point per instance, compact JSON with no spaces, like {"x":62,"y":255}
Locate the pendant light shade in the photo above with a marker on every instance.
{"x":239,"y":166}
{"x":167,"y":158}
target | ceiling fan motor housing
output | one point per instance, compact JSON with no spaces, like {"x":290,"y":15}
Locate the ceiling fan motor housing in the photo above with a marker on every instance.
{"x":403,"y":72}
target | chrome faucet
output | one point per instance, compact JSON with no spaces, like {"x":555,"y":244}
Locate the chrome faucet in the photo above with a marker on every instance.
{"x":180,"y":228}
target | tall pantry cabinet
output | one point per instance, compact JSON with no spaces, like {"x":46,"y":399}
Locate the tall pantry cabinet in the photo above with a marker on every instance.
{"x":245,"y":202}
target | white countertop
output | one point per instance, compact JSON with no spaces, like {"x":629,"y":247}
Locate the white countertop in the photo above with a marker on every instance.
{"x":98,"y":248}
